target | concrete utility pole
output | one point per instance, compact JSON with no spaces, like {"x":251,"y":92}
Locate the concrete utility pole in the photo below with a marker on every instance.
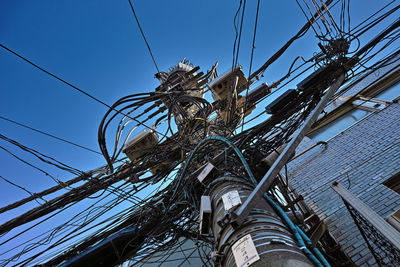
{"x":252,"y":233}
{"x":273,"y":241}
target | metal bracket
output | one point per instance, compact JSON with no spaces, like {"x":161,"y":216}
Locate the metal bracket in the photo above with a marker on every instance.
{"x":390,"y":233}
{"x":240,"y":216}
{"x":318,"y":232}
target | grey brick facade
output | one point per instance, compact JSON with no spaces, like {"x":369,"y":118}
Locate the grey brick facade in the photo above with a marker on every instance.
{"x":361,"y":158}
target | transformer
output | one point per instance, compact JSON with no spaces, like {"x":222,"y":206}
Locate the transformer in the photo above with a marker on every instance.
{"x":140,"y":144}
{"x":221,"y":86}
{"x":182,"y":80}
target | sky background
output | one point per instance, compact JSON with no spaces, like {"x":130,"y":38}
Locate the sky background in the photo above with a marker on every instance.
{"x":96,"y":45}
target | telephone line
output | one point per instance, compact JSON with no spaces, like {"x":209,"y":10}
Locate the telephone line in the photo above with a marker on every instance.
{"x":144,"y":37}
{"x":75,"y":87}
{"x":50,"y":135}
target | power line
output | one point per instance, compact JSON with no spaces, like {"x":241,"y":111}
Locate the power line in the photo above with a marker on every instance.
{"x":240,"y":32}
{"x":20,"y":187}
{"x":251,"y":59}
{"x":76,"y":88}
{"x":47,"y":134}
{"x":54,"y":76}
{"x":254,"y":37}
{"x":236,"y":34}
{"x":144,"y":37}
{"x":31,"y":165}
{"x":42,"y":157}
{"x":299,"y":34}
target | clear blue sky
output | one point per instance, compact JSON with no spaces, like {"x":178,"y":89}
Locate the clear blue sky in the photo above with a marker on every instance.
{"x":96,"y":45}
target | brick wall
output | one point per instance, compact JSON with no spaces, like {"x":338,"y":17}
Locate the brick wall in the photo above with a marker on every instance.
{"x":360,"y":158}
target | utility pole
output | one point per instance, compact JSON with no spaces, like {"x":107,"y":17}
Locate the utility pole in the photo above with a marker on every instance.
{"x":262,"y":240}
{"x":260,"y":226}
{"x":239,"y":213}
{"x":260,"y":236}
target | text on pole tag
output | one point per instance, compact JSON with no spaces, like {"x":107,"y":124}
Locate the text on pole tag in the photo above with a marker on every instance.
{"x":231,"y":199}
{"x":245,"y":252}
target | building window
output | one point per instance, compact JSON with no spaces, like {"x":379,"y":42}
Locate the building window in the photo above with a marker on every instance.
{"x":340,"y":124}
{"x":390,"y":93}
{"x":394,"y":219}
{"x":393,"y":182}
{"x":362,"y":107}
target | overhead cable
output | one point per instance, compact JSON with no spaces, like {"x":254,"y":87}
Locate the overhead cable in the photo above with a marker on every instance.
{"x":47,"y":134}
{"x":144,"y":37}
{"x":73,"y":86}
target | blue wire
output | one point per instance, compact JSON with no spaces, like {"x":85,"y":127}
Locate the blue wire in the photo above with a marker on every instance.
{"x":296,"y":233}
{"x":300,"y":236}
{"x":313,"y":248}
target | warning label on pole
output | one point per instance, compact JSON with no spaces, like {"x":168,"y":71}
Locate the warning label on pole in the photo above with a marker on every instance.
{"x":245,"y":252}
{"x":231,"y":199}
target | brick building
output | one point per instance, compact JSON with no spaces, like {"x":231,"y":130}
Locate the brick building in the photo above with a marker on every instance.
{"x":361,"y":150}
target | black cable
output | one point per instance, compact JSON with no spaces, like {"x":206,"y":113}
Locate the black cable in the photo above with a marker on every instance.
{"x":251,"y":62}
{"x":144,"y":37}
{"x":47,"y":134}
{"x":20,"y":187}
{"x":254,"y":38}
{"x":71,"y":85}
{"x":44,"y":158}
{"x":54,"y":76}
{"x":236,"y":33}
{"x":33,"y":166}
{"x":240,"y":34}
{"x":374,"y":14}
{"x":70,"y":236}
{"x":299,"y":34}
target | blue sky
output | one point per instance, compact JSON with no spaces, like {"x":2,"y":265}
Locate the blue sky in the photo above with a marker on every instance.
{"x":96,"y":45}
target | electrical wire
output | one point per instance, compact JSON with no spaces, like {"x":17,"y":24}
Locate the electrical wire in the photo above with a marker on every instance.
{"x":48,"y":134}
{"x":185,"y":147}
{"x":144,"y":37}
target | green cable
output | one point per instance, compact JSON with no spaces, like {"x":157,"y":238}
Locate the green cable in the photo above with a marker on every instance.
{"x":229,"y":143}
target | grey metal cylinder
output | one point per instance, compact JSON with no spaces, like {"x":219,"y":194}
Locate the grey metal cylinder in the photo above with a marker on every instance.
{"x":274,"y":242}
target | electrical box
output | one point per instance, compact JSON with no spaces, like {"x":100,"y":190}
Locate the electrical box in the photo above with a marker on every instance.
{"x":257,"y":93}
{"x":240,"y":106}
{"x":174,"y":153}
{"x":206,"y":170}
{"x":282,"y":101}
{"x":205,"y":215}
{"x":314,"y":78}
{"x":141,"y":143}
{"x":182,"y":78}
{"x":221,"y":86}
{"x":241,"y":103}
